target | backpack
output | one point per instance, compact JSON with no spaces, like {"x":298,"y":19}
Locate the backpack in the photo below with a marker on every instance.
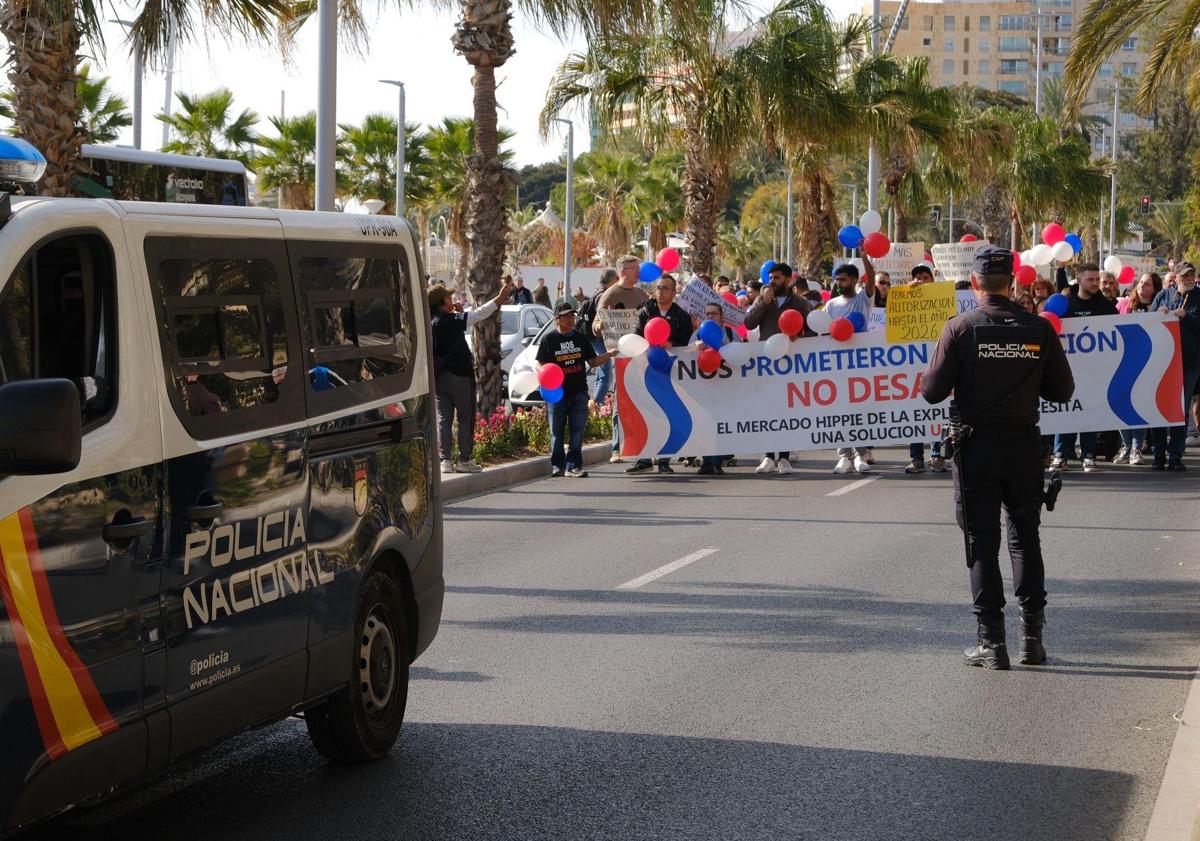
{"x":587,"y":314}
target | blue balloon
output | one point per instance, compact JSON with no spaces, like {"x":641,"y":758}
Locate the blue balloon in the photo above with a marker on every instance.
{"x":711,"y":334}
{"x":659,"y":359}
{"x":742,"y":293}
{"x":552,"y":395}
{"x":1076,"y":242}
{"x":764,"y":274}
{"x":1057,"y":304}
{"x":850,"y":236}
{"x":649,"y":272}
{"x":858,"y":320}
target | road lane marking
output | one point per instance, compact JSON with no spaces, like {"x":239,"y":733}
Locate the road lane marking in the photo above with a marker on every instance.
{"x":669,"y":568}
{"x":853,"y":486}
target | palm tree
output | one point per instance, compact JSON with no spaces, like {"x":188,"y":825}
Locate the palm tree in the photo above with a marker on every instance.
{"x":369,"y":162}
{"x":207,"y":127}
{"x":657,"y":197}
{"x":1107,"y":24}
{"x":680,"y":78}
{"x":104,"y":113}
{"x":288,"y":161}
{"x":604,"y":186}
{"x":740,"y":248}
{"x":1170,"y":223}
{"x":1058,"y":107}
{"x":44,"y":39}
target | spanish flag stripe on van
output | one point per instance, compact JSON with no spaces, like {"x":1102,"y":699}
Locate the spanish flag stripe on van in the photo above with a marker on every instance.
{"x":69,"y":708}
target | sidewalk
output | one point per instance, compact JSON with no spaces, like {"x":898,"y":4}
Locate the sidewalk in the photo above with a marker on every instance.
{"x":458,"y":485}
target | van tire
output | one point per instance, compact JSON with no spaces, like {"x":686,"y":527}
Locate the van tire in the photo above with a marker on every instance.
{"x":361,"y":722}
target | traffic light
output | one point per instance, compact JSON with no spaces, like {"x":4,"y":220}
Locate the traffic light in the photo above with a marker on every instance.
{"x":1145,"y":205}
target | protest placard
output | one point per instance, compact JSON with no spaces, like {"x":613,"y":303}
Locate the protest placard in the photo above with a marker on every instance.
{"x":823,"y":394}
{"x":617,"y":323}
{"x":696,"y":296}
{"x":918,"y":313}
{"x":954,"y":260}
{"x":899,"y":261}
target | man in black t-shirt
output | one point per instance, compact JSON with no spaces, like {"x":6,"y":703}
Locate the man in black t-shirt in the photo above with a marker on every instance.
{"x":573,"y":352}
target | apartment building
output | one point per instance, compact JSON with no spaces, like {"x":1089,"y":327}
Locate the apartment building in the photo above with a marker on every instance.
{"x":993,"y":45}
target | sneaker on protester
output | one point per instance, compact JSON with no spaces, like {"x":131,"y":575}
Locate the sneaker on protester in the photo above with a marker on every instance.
{"x":783,"y":466}
{"x":861,"y":465}
{"x":639,"y":467}
{"x":1122,"y":456}
{"x":468,"y":467}
{"x":767,"y":465}
{"x":1058,"y":462}
{"x":1089,"y":465}
{"x":937,"y":464}
{"x":615,"y":458}
{"x":576,"y":473}
{"x":557,"y":473}
{"x":915,"y":466}
{"x":447,"y":466}
{"x":844,"y":465}
{"x":869,"y":456}
{"x":1135,"y":457}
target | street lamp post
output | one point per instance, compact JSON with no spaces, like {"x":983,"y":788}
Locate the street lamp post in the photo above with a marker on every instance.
{"x":791,"y":223}
{"x":327,"y":30}
{"x":872,"y":154}
{"x":1112,"y":201}
{"x":166,"y":135}
{"x":1037,"y":72}
{"x":568,"y":222}
{"x":137,"y":88}
{"x":400,"y":129}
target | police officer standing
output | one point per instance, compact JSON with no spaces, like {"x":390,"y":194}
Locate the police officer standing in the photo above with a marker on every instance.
{"x":998,"y":360}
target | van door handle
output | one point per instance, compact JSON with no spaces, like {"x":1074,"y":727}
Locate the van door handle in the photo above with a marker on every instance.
{"x":208,"y":511}
{"x":122,"y":532}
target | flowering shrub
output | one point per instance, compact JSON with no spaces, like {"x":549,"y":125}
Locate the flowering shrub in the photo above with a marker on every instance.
{"x":504,"y":436}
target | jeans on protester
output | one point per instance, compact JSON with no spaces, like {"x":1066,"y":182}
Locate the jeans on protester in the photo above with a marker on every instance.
{"x":604,"y":374}
{"x":1173,"y":449}
{"x":851,"y":452}
{"x":568,"y":416}
{"x":455,"y":397}
{"x":917,"y":451}
{"x":1133,"y":439}
{"x":1064,"y":445}
{"x":778,"y":456}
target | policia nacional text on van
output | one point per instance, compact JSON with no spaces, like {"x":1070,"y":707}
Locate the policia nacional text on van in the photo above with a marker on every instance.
{"x":999,"y":361}
{"x":218,"y":497}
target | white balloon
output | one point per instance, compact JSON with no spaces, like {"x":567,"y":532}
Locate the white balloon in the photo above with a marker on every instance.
{"x":1063,"y":252}
{"x":1113,"y":264}
{"x":870,"y":222}
{"x":777,"y":346}
{"x":632,"y":345}
{"x":735,"y":353}
{"x":1041,"y":254}
{"x":1027,"y":257}
{"x":818,"y":321}
{"x":523,"y":383}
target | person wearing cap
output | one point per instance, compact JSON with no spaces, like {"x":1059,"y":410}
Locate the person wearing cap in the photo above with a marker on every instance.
{"x":1184,"y":303}
{"x":999,"y":361}
{"x":923,"y":273}
{"x":571,"y":350}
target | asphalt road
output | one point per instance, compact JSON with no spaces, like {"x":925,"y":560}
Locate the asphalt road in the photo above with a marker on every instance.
{"x":803,"y":679}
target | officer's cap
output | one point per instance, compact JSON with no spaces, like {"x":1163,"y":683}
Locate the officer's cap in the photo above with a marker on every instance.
{"x":992,"y":259}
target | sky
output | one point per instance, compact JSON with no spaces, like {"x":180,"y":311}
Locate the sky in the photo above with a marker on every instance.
{"x":412,"y":46}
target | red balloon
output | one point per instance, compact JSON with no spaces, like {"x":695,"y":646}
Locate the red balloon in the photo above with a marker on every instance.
{"x":826,"y":294}
{"x":968,"y":238}
{"x":1053,"y":234}
{"x":658,"y":331}
{"x":1054,"y":320}
{"x":876,"y":245}
{"x":1128,"y":273}
{"x":791,"y":322}
{"x":730,"y":297}
{"x":1027,"y":275}
{"x":550,"y":376}
{"x":928,"y":257}
{"x":841,"y":329}
{"x":668,"y":259}
{"x":709,"y":361}
{"x":1016,"y":261}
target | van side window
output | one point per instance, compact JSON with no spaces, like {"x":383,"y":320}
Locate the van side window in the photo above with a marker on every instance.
{"x":224,"y":333}
{"x":57,"y":321}
{"x":357,"y":310}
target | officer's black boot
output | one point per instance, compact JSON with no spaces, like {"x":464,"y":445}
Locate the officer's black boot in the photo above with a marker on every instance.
{"x":1032,"y":653}
{"x":992,"y":652}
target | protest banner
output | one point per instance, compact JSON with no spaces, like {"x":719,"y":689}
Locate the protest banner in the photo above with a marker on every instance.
{"x":696,"y":296}
{"x":899,"y":261}
{"x":918,"y":313}
{"x":617,"y":323}
{"x":954,"y":260}
{"x":824,"y":394}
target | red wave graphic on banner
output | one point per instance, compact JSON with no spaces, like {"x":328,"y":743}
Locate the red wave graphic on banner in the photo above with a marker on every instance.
{"x":1169,"y":396}
{"x":633,"y":426}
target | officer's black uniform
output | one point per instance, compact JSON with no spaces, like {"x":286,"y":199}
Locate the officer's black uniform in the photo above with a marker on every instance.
{"x":999,"y":360}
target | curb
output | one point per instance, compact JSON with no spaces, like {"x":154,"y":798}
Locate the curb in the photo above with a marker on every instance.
{"x":458,"y":485}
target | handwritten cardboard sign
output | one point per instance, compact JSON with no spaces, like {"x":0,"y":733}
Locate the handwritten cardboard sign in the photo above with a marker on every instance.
{"x":954,"y":260}
{"x":696,"y":296}
{"x":918,"y":313}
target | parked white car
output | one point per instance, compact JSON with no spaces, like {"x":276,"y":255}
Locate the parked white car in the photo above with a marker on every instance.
{"x":519,"y":324}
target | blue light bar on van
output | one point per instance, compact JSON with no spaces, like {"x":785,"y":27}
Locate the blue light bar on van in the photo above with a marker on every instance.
{"x":19,"y":161}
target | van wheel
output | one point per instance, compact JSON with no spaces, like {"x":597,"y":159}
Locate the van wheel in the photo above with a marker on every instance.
{"x":361,"y":722}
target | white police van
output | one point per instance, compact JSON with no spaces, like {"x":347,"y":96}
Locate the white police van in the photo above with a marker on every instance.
{"x":219,"y":503}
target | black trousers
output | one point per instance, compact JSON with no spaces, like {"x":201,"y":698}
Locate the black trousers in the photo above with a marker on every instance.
{"x":1002,"y":467}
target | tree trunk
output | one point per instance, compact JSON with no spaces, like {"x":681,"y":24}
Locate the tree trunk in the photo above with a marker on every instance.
{"x":43,"y":54}
{"x":817,"y":222}
{"x":996,"y":228}
{"x":298,"y":197}
{"x":705,"y":185}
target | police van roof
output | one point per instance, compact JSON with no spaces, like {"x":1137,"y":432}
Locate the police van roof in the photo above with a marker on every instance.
{"x":141,"y":156}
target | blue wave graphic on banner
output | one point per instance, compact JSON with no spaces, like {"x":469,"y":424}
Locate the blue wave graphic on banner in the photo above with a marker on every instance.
{"x":1136,"y":353}
{"x":660,"y":388}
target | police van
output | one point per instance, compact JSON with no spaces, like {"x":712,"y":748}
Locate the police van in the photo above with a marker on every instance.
{"x":219,"y":501}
